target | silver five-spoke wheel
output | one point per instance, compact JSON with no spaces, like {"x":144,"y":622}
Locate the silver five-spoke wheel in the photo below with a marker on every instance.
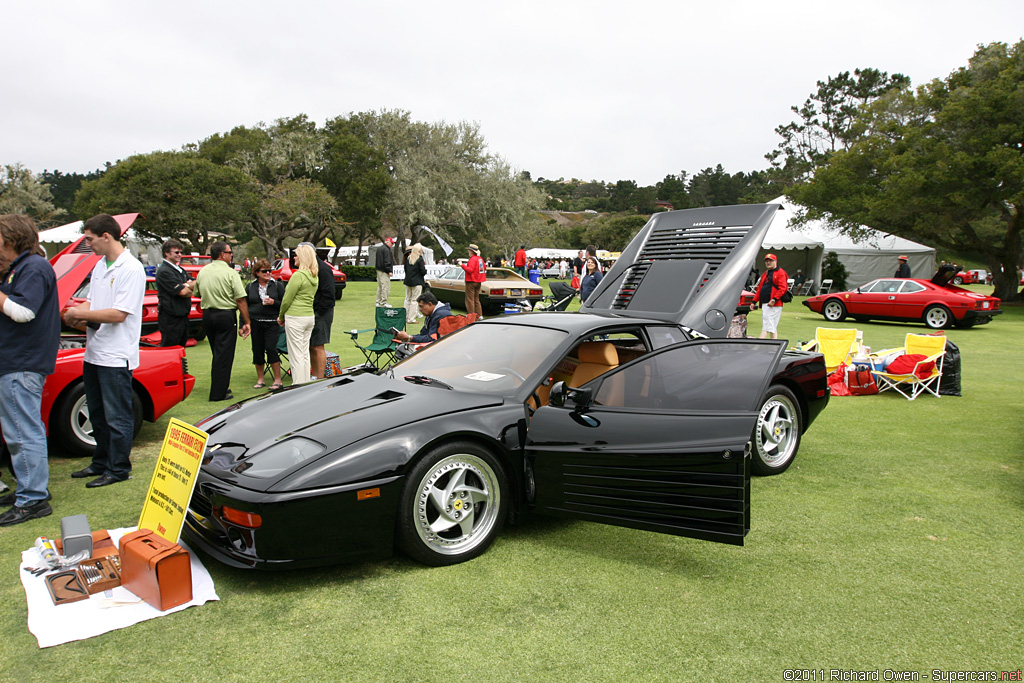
{"x":453,"y":504}
{"x":777,"y":432}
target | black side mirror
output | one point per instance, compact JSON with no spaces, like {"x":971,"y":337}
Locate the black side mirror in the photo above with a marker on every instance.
{"x":556,"y":396}
{"x":560,"y":393}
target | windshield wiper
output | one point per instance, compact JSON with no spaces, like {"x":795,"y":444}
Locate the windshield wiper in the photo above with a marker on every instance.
{"x":423,"y":379}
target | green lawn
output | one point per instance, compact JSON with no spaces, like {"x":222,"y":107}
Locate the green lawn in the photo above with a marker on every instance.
{"x":893,"y":542}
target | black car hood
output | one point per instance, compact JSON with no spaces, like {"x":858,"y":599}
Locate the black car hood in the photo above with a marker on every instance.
{"x":335,"y":413}
{"x":686,"y":267}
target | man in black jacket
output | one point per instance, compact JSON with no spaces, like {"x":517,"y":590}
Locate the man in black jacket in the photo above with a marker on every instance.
{"x":174,"y":296}
{"x":323,"y":312}
{"x":384,"y":263}
{"x":904,"y":269}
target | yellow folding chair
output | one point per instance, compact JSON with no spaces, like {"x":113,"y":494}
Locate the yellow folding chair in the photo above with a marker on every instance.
{"x":913,"y":384}
{"x":838,"y":345}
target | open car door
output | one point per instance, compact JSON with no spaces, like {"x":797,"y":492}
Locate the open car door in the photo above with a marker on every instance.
{"x":660,"y":444}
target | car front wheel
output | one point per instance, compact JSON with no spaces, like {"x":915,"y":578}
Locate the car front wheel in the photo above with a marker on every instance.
{"x":71,"y":424}
{"x":776,"y":436}
{"x":453,"y":504}
{"x":938,"y":317}
{"x":958,"y":280}
{"x":834,"y":311}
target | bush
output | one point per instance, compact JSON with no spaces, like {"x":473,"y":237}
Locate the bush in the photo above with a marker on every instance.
{"x":360,"y":273}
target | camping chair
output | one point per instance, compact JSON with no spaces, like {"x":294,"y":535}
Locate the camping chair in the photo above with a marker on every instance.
{"x":926,"y":374}
{"x":383,"y":344}
{"x":282,"y":350}
{"x":838,"y":345}
{"x":454,"y":322}
{"x":826,"y":287}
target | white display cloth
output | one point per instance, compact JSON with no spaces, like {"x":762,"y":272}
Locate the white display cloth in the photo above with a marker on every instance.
{"x":53,"y":625}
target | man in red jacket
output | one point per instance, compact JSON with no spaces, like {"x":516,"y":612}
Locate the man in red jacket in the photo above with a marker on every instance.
{"x":476,"y":273}
{"x":770,"y":289}
{"x":520,"y":261}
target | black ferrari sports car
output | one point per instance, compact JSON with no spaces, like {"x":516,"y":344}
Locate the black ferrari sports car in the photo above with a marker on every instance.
{"x":636,"y":411}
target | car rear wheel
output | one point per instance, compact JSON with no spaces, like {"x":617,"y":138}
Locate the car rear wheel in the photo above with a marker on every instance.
{"x":938,"y":317}
{"x":71,"y":424}
{"x":776,"y":436}
{"x":834,"y":311}
{"x":453,"y":504}
{"x":958,"y":280}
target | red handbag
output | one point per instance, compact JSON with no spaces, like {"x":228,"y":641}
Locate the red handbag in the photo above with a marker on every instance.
{"x":861,"y":382}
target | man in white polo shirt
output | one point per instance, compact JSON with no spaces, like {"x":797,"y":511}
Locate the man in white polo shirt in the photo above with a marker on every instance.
{"x":113,"y":314}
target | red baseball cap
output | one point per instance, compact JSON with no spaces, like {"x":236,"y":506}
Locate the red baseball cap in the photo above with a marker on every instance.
{"x":773,"y":257}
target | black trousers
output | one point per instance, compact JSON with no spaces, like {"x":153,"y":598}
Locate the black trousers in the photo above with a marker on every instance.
{"x":222,"y":330}
{"x":173,"y":329}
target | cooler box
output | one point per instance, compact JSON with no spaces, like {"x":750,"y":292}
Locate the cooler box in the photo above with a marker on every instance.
{"x":535,"y":277}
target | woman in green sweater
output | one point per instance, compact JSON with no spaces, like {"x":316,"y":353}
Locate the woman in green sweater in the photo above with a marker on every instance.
{"x":297,"y":311}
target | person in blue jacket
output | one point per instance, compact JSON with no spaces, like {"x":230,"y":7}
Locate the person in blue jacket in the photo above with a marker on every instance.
{"x":434,"y":312}
{"x":591,"y":278}
{"x":29,"y":337}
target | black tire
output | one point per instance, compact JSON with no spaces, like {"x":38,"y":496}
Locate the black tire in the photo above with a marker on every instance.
{"x":958,"y":280}
{"x":70,"y":426}
{"x":937,"y":317}
{"x":483,"y":492}
{"x":776,"y":437}
{"x":338,"y":293}
{"x":198,"y":332}
{"x":834,"y":311}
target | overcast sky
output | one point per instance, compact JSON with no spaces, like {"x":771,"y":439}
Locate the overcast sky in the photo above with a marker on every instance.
{"x":593,"y":90}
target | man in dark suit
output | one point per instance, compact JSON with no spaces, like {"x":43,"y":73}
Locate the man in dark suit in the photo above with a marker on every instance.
{"x":174,"y":294}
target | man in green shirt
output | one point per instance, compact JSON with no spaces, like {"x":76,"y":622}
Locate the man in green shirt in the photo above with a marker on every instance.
{"x":223,"y":297}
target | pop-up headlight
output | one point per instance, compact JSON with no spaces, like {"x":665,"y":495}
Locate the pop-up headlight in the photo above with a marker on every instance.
{"x":281,"y":456}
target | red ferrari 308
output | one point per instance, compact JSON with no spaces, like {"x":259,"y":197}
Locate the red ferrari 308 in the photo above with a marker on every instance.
{"x":908,"y":300}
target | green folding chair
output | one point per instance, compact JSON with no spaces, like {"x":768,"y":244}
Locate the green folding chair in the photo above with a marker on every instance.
{"x":380,"y":352}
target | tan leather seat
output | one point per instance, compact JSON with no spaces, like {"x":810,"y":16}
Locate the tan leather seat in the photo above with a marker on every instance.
{"x":596,"y":358}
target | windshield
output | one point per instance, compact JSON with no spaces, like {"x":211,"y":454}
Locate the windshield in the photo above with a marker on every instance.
{"x":493,"y":359}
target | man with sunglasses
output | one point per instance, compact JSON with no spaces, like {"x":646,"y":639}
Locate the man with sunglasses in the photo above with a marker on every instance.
{"x":174,"y":294}
{"x":223,"y":298}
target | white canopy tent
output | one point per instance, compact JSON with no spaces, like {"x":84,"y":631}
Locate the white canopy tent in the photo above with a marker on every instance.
{"x":546,"y":253}
{"x":873,"y":256}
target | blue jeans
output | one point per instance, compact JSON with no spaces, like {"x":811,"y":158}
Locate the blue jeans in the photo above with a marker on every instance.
{"x":25,"y":434}
{"x":108,"y":393}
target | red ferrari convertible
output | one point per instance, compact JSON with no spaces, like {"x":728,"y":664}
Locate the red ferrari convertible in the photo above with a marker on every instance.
{"x":937,"y":306}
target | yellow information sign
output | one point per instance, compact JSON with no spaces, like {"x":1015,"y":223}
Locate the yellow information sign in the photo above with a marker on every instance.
{"x":170,"y":489}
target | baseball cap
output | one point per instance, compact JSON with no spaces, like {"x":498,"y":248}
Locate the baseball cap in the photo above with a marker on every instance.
{"x":773,"y":257}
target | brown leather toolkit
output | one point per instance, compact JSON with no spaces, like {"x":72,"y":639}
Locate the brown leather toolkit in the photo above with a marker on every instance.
{"x":156,"y":570}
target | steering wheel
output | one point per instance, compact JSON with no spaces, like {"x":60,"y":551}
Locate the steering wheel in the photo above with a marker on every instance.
{"x":513,"y":373}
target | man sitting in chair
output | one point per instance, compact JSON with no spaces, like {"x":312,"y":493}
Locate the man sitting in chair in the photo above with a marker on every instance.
{"x":433,"y":313}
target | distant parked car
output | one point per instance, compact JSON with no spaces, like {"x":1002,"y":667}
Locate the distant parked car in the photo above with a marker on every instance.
{"x":503,"y":286}
{"x":908,"y":300}
{"x":282,"y":270}
{"x":970,"y":277}
{"x":150,"y":309}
